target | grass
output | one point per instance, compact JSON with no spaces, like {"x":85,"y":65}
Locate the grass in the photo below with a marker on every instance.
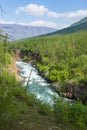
{"x":34,"y":118}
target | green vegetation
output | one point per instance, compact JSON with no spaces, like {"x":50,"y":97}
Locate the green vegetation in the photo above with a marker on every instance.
{"x":74,"y":113}
{"x":61,"y":59}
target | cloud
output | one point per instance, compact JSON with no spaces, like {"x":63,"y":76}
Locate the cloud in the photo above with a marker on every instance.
{"x":6,"y":22}
{"x":40,"y":10}
{"x":33,"y":9}
{"x":52,"y":14}
{"x":70,"y":15}
{"x":43,"y":23}
{"x":2,"y":21}
{"x":33,"y":23}
{"x":75,"y":14}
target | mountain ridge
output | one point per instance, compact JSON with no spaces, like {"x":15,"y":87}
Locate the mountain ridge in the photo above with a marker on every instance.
{"x":81,"y":25}
{"x":80,"y":21}
{"x":17,"y":32}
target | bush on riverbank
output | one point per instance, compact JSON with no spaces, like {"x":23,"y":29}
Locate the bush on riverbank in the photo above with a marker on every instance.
{"x":71,"y":113}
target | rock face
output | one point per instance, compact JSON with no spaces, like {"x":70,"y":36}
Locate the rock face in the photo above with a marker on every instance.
{"x":33,"y":55}
{"x":78,"y":92}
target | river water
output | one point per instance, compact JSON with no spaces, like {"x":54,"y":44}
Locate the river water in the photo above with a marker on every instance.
{"x":37,"y":85}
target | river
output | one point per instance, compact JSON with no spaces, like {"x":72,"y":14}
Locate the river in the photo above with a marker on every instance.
{"x":37,"y":85}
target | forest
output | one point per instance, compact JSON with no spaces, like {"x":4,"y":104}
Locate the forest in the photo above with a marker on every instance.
{"x":62,"y":61}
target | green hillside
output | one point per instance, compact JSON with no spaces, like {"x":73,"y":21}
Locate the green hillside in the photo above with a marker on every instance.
{"x":84,"y":20}
{"x":78,"y":26}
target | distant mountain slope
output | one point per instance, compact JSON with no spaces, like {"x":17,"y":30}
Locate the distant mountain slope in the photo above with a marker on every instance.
{"x":84,"y":20}
{"x":16,"y":32}
{"x":78,"y":26}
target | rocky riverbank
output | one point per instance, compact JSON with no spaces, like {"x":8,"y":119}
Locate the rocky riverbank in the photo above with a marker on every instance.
{"x":14,"y":69}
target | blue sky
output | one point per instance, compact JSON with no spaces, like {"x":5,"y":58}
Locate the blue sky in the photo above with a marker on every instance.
{"x":50,"y":13}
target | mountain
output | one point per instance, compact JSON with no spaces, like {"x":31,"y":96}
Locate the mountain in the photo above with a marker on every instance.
{"x":82,"y":21}
{"x":17,"y":32}
{"x":81,"y":25}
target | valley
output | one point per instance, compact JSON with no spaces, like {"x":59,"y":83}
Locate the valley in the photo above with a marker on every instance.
{"x":61,"y":60}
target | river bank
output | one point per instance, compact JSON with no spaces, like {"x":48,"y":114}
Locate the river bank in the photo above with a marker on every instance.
{"x":71,"y":92}
{"x":14,"y":70}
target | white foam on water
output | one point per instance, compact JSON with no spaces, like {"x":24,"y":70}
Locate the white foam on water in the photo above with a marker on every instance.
{"x":50,"y":92}
{"x":37,"y":85}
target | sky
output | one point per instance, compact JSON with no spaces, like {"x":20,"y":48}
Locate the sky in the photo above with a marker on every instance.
{"x":50,"y":13}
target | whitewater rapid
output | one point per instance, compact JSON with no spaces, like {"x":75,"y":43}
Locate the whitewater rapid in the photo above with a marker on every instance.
{"x":37,"y":85}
